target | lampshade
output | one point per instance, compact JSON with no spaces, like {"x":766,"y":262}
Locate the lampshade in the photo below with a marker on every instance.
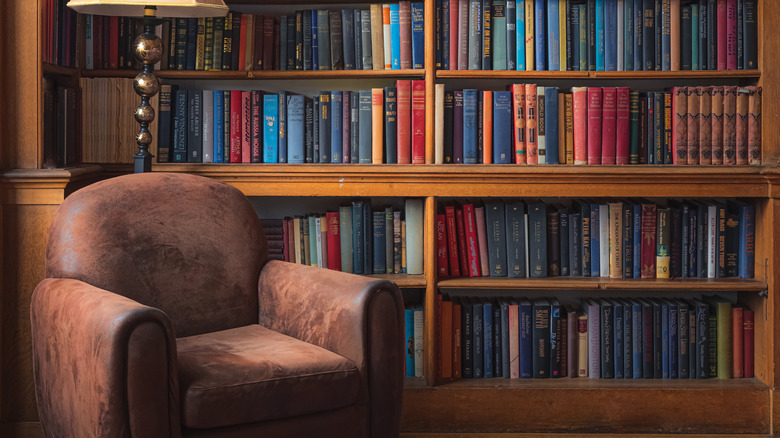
{"x":165,"y":8}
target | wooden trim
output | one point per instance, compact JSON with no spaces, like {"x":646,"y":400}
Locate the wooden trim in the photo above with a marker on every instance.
{"x":261,"y":74}
{"x":584,"y":283}
{"x":644,"y":75}
{"x":403,"y":280}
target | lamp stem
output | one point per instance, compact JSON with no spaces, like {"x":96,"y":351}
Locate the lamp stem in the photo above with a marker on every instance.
{"x":148,"y":50}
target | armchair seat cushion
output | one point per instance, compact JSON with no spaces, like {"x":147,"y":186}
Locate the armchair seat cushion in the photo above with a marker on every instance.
{"x":250,"y":373}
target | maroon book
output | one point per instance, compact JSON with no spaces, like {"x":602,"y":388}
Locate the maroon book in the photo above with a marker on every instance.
{"x":452,"y":241}
{"x":705,"y":125}
{"x":462,"y":250}
{"x":648,"y":248}
{"x":622,"y":127}
{"x":235,"y":126}
{"x":472,"y":246}
{"x":716,"y":132}
{"x":258,"y":43}
{"x":742,"y":126}
{"x":608,"y":125}
{"x":730,"y":125}
{"x":679,"y":126}
{"x":594,"y":125}
{"x":692,"y":115}
{"x":334,"y":241}
{"x":754,"y":126}
{"x":268,"y":43}
{"x":441,"y":245}
{"x":748,"y":342}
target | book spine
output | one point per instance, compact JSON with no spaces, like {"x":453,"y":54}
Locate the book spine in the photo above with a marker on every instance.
{"x":518,"y":118}
{"x":418,"y":36}
{"x":609,"y":126}
{"x":395,"y":35}
{"x":282,"y":128}
{"x":418,"y":122}
{"x":257,"y":123}
{"x":236,"y":99}
{"x":531,"y":125}
{"x":748,"y":343}
{"x":441,"y":245}
{"x":271,"y":130}
{"x":551,"y":124}
{"x":648,"y":246}
{"x":537,"y":240}
{"x":457,"y":127}
{"x":295,"y":122}
{"x":742,"y":125}
{"x":730,"y":125}
{"x":366,"y":39}
{"x":348,"y":39}
{"x":195,"y":126}
{"x":452,"y":241}
{"x":754,"y":125}
{"x":470,"y":126}
{"x":377,"y":124}
{"x":595,"y":124}
{"x":680,"y":125}
{"x":403,"y":131}
{"x":391,"y":125}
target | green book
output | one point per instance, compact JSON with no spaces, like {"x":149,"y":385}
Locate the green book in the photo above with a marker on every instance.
{"x":722,"y":311}
{"x":498,"y":28}
{"x":695,"y":37}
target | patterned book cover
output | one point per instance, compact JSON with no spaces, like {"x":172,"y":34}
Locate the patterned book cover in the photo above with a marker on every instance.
{"x":742,"y":126}
{"x":705,"y":126}
{"x":680,"y":125}
{"x":716,"y":133}
{"x":729,"y":125}
{"x":518,"y":115}
{"x":648,"y":246}
{"x":532,"y":153}
{"x":754,"y":126}
{"x":692,"y":117}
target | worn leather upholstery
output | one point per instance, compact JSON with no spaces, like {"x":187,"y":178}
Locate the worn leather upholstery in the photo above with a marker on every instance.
{"x":263,"y":348}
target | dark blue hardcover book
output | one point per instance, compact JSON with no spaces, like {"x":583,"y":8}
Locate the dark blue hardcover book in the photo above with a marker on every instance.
{"x":637,"y":335}
{"x":467,"y":338}
{"x":336,"y":32}
{"x":526,"y":320}
{"x":478,"y":342}
{"x":307,"y":40}
{"x":195,"y":126}
{"x":457,"y":126}
{"x":595,"y":241}
{"x":348,"y":38}
{"x":219,"y":126}
{"x":610,"y":35}
{"x":575,"y":240}
{"x":502,"y":127}
{"x":651,"y":314}
{"x":336,"y":126}
{"x":607,"y":339}
{"x":600,"y":36}
{"x":445,"y":34}
{"x":650,"y":141}
{"x":683,"y":324}
{"x":702,"y":311}
{"x":691,"y":241}
{"x":364,"y":130}
{"x":283,"y":128}
{"x":666,"y":40}
{"x":639,"y":35}
{"x":391,"y":125}
{"x":541,"y":338}
{"x":495,"y":224}
{"x":557,"y":338}
{"x":418,"y":35}
{"x":192,"y":43}
{"x":701,"y":239}
{"x":692,"y":351}
{"x":283,"y":43}
{"x":628,"y":341}
{"x":325,"y":115}
{"x":469,"y":126}
{"x":298,"y":50}
{"x":665,"y":338}
{"x":658,"y":338}
{"x":323,"y":39}
{"x":409,"y":340}
{"x":358,"y":247}
{"x":439,"y":22}
{"x":537,"y":240}
{"x":309,"y":117}
{"x":628,"y":240}
{"x":511,"y":35}
{"x":365,"y":39}
{"x":487,"y":339}
{"x":295,"y":139}
{"x":368,"y":237}
{"x":585,"y":237}
{"x":553,"y":35}
{"x":746,"y":255}
{"x":648,"y":34}
{"x":573,"y":38}
{"x":675,"y":239}
{"x":354,"y":127}
{"x":380,"y":261}
{"x":291,"y":52}
{"x":637,"y":233}
{"x":505,"y":339}
{"x":674,"y":339}
{"x":315,"y":41}
{"x":628,"y":35}
{"x":565,"y":224}
{"x":271,"y":128}
{"x":551,"y":124}
{"x":316,"y":131}
{"x":749,"y":34}
{"x":515,"y":239}
{"x":592,"y":47}
{"x":540,"y":35}
{"x":497,"y":339}
{"x":180,"y":122}
{"x":619,"y":340}
{"x":357,"y":31}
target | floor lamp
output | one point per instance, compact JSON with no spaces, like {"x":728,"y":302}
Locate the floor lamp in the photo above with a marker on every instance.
{"x":148,"y":50}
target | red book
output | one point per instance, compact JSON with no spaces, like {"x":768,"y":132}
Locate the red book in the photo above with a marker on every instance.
{"x":608,"y":125}
{"x":405,"y":22}
{"x":487,"y":127}
{"x":404,"y":121}
{"x":754,"y":126}
{"x":441,"y":245}
{"x":484,"y":264}
{"x":580,"y":111}
{"x":113,"y":50}
{"x":721,"y":33}
{"x":452,"y":241}
{"x":622,"y":128}
{"x":731,"y":34}
{"x":418,"y":122}
{"x":748,"y":333}
{"x":594,"y":125}
{"x":334,"y":241}
{"x":242,"y":44}
{"x":648,"y":248}
{"x":456,"y":347}
{"x":438,"y":339}
{"x":256,"y":153}
{"x":446,"y":339}
{"x":235,"y":125}
{"x":518,"y":115}
{"x":692,"y":115}
{"x":679,"y":126}
{"x":258,"y":45}
{"x":472,"y":244}
{"x":705,"y":125}
{"x":454,"y":10}
{"x":730,"y":125}
{"x":246,"y":126}
{"x":742,"y":126}
{"x":531,"y":145}
{"x":268,"y":42}
{"x":716,"y":132}
{"x":737,"y":336}
{"x":462,"y":247}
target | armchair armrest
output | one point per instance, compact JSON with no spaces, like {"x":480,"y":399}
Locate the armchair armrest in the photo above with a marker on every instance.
{"x":357,"y":317}
{"x":104,"y":365}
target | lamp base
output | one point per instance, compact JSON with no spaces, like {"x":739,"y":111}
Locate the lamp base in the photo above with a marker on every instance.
{"x":142,"y":162}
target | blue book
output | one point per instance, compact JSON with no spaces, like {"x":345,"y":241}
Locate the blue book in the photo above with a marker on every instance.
{"x":619,"y":340}
{"x":628,"y":35}
{"x":323,"y":119}
{"x":746,"y":255}
{"x":511,"y":36}
{"x":564,"y":244}
{"x":357,"y":237}
{"x":283,"y":129}
{"x":348,"y":32}
{"x":478,"y":341}
{"x":585,"y":238}
{"x":520,"y":38}
{"x":551,"y":124}
{"x":192,"y":43}
{"x":295,"y":147}
{"x":395,"y":37}
{"x":271,"y":128}
{"x":418,"y":35}
{"x":537,"y":240}
{"x":219,"y":127}
{"x":639,"y":50}
{"x":445,"y":34}
{"x":674,"y":339}
{"x":497,"y":340}
{"x":575,"y":243}
{"x":637,"y":338}
{"x":470,"y":126}
{"x":540,"y":36}
{"x":364,"y":131}
{"x":323,"y":39}
{"x":505,"y":339}
{"x":665,"y":339}
{"x":637,"y":232}
{"x":336,"y":126}
{"x":525,"y":319}
{"x":610,"y":35}
{"x":628,"y":358}
{"x":574,"y":32}
{"x":380,"y":258}
{"x":683,"y":343}
{"x":502,"y":127}
{"x":557,"y":337}
{"x":600,"y":36}
{"x":409,"y":331}
{"x":487,"y":335}
{"x":594,"y":241}
{"x":315,"y":53}
{"x":607,"y":339}
{"x":553,"y":36}
{"x":357,"y":29}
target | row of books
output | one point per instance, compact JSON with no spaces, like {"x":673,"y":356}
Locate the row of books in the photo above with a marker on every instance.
{"x":600,"y":35}
{"x":607,"y":338}
{"x":530,"y":124}
{"x":61,"y":121}
{"x":414,"y":335}
{"x":386,"y":36}
{"x":59,"y":33}
{"x":379,"y":125}
{"x":354,"y":238}
{"x":597,"y":238}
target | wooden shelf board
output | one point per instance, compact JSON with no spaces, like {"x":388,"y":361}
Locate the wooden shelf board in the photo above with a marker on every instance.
{"x":54,"y":69}
{"x":584,"y":283}
{"x":588,"y":406}
{"x":263,"y":74}
{"x":403,"y":280}
{"x":509,"y":74}
{"x":644,"y":75}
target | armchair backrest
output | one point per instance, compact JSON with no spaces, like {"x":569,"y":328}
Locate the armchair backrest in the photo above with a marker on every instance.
{"x":188,"y":245}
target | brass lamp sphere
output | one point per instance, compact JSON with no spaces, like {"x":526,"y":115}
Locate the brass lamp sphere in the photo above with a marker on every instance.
{"x":148,"y":48}
{"x":146,"y":84}
{"x":144,"y":113}
{"x":144,"y":138}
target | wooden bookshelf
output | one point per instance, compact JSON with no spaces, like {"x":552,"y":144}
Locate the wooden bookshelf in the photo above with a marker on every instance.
{"x":432,"y":407}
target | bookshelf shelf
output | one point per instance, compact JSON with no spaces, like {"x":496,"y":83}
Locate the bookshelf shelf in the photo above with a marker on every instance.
{"x":617,"y":284}
{"x":263,"y":74}
{"x":644,"y":75}
{"x":59,"y":70}
{"x":403,"y":280}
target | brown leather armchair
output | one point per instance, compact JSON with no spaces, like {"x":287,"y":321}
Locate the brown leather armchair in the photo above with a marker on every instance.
{"x":161,"y":316}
